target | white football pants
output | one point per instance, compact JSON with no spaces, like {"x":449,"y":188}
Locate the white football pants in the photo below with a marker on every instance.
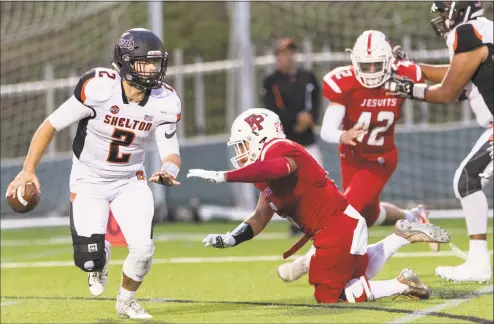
{"x":130,"y":200}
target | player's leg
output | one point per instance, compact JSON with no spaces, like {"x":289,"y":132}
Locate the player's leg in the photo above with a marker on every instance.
{"x":468,"y":188}
{"x":133,"y":209}
{"x":88,"y":219}
{"x":405,"y":233}
{"x":292,"y":271}
{"x":333,"y":265}
{"x":407,"y":283}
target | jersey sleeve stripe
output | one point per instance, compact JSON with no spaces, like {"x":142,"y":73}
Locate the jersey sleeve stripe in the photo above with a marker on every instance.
{"x":83,"y":91}
{"x":331,"y":83}
{"x":479,"y":36}
{"x":455,"y":43}
{"x":79,"y":91}
{"x":418,"y":71}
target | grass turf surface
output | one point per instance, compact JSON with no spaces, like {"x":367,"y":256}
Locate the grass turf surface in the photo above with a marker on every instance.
{"x":186,"y":286}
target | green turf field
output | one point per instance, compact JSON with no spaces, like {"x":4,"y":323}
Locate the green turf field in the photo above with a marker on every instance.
{"x":192,"y":284}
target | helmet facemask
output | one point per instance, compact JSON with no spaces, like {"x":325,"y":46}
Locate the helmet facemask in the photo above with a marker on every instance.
{"x":243,"y":156}
{"x":372,"y":72}
{"x":147,"y":72}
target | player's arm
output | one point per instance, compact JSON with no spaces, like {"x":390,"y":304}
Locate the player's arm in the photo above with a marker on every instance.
{"x":460,"y":72}
{"x":260,"y":171}
{"x":469,"y":54}
{"x":247,"y":230}
{"x":331,"y":126}
{"x":434,"y":73}
{"x":68,"y":113}
{"x":168,"y":148}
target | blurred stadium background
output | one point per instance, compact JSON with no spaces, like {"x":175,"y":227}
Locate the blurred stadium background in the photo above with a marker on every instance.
{"x":220,"y":51}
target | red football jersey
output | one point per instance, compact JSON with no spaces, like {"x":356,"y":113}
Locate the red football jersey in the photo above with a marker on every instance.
{"x":307,"y":196}
{"x":372,"y":108}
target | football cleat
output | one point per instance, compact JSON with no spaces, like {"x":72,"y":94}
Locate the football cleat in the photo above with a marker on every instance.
{"x":423,"y":215}
{"x":292,"y":271}
{"x":416,"y":288}
{"x":418,"y":232}
{"x":470,"y":271}
{"x":97,"y":280}
{"x":131,"y":309}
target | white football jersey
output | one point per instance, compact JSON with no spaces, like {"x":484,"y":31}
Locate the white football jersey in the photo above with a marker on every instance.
{"x":110,"y":142}
{"x":480,"y":90}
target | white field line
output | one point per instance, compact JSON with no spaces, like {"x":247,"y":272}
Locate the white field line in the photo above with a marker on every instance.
{"x":36,"y":255}
{"x":7,"y":303}
{"x":451,"y":303}
{"x":207,"y":212}
{"x":227,"y":259}
{"x":61,"y":240}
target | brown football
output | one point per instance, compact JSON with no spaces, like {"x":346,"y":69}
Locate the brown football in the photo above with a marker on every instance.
{"x":27,"y":202}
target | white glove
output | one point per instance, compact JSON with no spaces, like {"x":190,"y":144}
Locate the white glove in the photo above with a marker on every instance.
{"x":213,"y":176}
{"x":219,"y":241}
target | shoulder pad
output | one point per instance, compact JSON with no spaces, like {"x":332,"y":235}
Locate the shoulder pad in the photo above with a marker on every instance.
{"x":278,"y":147}
{"x":96,"y":85}
{"x":337,"y":82}
{"x":171,"y":108}
{"x":466,"y":38}
{"x":410,"y":70}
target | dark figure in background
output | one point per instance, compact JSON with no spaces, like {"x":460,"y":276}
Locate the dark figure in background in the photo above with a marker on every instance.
{"x":294,"y":95}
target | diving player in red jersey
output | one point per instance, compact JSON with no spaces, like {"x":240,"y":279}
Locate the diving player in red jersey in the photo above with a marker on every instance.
{"x":296,"y":187}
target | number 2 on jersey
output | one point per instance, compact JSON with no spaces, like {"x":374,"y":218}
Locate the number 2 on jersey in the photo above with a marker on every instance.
{"x":365,"y":120}
{"x":121,"y":138}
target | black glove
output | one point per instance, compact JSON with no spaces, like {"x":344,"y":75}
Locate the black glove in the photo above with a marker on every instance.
{"x":400,"y":54}
{"x":404,"y":87}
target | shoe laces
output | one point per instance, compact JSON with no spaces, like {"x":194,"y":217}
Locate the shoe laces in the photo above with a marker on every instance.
{"x":136,"y":307}
{"x":97,"y":275}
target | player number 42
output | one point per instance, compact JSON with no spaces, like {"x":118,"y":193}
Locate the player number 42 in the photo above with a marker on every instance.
{"x":375,"y":138}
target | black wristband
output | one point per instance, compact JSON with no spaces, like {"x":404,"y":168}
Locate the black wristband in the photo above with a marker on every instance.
{"x":242,"y":233}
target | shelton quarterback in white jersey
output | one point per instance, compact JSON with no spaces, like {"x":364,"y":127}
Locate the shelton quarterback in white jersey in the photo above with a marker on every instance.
{"x":117,"y":110}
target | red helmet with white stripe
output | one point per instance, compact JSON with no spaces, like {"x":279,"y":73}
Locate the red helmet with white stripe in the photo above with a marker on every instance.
{"x":372,"y":58}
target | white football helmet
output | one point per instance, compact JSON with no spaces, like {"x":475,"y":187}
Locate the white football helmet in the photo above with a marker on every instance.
{"x":372,"y":58}
{"x":250,"y":130}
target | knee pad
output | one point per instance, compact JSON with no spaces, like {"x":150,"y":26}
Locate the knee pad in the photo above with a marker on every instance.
{"x":466,"y":183}
{"x":467,"y":178}
{"x":357,"y":291}
{"x":89,"y":252}
{"x":138,"y":262}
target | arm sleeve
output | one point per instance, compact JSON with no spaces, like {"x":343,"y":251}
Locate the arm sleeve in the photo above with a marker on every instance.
{"x":166,"y":139}
{"x":316,"y":98}
{"x":333,"y":117}
{"x":69,"y":112}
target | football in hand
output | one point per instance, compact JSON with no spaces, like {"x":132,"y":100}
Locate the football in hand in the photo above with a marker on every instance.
{"x":27,"y":202}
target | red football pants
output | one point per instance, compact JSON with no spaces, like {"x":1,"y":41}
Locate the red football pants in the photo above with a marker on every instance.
{"x":332,"y":266}
{"x":363,"y":182}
